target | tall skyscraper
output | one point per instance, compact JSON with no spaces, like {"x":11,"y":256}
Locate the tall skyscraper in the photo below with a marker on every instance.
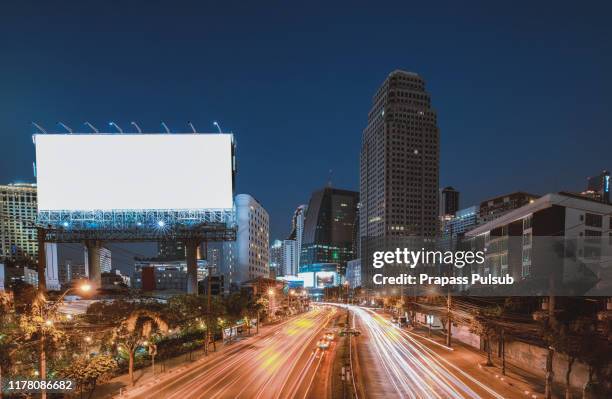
{"x":329,"y":228}
{"x":399,"y":165}
{"x":289,"y":257}
{"x":400,"y":154}
{"x":449,"y":201}
{"x":276,"y":258}
{"x":18,"y":209}
{"x":297,"y":229}
{"x":248,"y":257}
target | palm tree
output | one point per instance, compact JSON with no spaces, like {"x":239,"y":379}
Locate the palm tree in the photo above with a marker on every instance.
{"x":135,"y":330}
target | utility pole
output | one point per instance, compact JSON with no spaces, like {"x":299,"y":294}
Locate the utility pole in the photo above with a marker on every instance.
{"x":208,"y":300}
{"x":449,"y":321}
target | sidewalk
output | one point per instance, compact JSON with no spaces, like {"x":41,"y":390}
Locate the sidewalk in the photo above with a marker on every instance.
{"x":144,"y":376}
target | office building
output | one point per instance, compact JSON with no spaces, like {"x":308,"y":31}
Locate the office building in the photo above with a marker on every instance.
{"x":105,"y":260}
{"x":562,"y":236}
{"x":353,"y":273}
{"x":160,"y":275}
{"x":297,"y":229}
{"x":248,"y":257}
{"x":493,"y":208}
{"x":463,"y":220}
{"x":213,"y":257}
{"x":276,"y":258}
{"x":290,"y":266}
{"x":449,"y":201}
{"x":598,"y":187}
{"x":399,"y":166}
{"x":329,"y":228}
{"x":171,"y":250}
{"x":52,"y":277}
{"x":18,"y":211}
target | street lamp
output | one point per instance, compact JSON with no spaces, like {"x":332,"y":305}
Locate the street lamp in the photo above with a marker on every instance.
{"x":85,"y":287}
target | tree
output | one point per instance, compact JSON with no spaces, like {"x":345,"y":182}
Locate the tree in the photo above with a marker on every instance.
{"x":87,"y":373}
{"x":484,"y":325}
{"x":134,"y":330}
{"x":10,"y":334}
{"x":252,"y":310}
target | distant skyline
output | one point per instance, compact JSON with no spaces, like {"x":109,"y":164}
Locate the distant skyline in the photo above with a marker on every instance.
{"x":522,"y":94}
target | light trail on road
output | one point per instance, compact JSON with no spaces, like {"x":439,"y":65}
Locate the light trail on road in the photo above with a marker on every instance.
{"x":278,"y":364}
{"x":414,"y":370}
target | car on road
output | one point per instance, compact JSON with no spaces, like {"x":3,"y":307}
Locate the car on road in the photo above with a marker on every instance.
{"x":329,"y":336}
{"x":323,"y":344}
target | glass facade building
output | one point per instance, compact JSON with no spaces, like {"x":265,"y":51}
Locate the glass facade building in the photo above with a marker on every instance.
{"x":329,"y":230}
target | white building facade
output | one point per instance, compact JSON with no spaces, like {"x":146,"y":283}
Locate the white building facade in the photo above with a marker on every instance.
{"x":248,"y":257}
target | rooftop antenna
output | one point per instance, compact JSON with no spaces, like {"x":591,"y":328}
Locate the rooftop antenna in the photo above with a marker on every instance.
{"x":191,"y":126}
{"x":218,"y":127}
{"x":165,"y":127}
{"x":116,"y":127}
{"x":136,"y":126}
{"x":92,"y":127}
{"x":37,"y":126}
{"x":65,"y":127}
{"x":329,"y":180}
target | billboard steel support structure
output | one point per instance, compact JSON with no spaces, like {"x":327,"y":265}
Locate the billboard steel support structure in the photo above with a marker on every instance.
{"x":192,"y":236}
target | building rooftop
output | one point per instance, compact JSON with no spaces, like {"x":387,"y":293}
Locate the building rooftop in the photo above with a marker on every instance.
{"x":546,"y":201}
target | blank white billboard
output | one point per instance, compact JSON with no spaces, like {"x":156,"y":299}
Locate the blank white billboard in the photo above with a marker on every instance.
{"x":133,"y":171}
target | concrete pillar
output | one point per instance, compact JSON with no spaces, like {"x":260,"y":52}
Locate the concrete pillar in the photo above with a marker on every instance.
{"x":191,"y":247}
{"x":93,"y":262}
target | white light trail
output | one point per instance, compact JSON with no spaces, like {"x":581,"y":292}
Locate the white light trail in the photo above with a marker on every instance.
{"x":414,"y":370}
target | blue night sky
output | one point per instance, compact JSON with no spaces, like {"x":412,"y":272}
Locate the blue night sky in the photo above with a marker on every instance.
{"x":522,"y":90}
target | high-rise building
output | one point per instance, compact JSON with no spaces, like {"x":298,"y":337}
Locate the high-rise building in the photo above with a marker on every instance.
{"x":290,"y":258}
{"x":105,"y":256}
{"x":353,"y":273}
{"x":52,"y":278}
{"x":329,"y":228}
{"x":598,"y":187}
{"x":105,"y":260}
{"x":449,"y":201}
{"x":399,"y":165}
{"x":214,"y":257}
{"x":276,"y":258}
{"x":18,"y":207}
{"x":400,"y":161}
{"x":463,"y":220}
{"x":248,"y":257}
{"x":297,"y":229}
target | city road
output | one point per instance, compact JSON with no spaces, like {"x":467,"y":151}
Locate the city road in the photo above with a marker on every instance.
{"x":280,"y":363}
{"x":390,"y":363}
